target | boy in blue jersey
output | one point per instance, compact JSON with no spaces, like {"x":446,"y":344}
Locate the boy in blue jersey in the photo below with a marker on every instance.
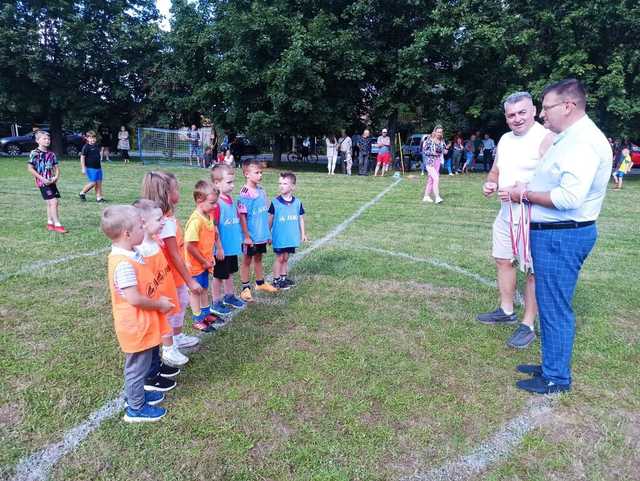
{"x":286,"y":220}
{"x":230,"y":232}
{"x":254,"y":220}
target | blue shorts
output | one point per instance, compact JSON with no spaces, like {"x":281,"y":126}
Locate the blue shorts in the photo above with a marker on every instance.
{"x":94,"y":175}
{"x":283,"y":250}
{"x":619,"y":174}
{"x":202,"y":279}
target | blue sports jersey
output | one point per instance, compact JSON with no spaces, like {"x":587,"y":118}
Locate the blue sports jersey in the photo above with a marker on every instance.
{"x":229,"y":228}
{"x":286,"y":223}
{"x":257,"y":216}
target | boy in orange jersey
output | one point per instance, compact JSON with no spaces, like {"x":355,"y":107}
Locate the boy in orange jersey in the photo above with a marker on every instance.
{"x":200,"y":236}
{"x":136,"y":309}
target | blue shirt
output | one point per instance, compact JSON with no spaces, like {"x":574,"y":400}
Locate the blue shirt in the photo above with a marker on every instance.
{"x":575,"y":171}
{"x":257,"y":214}
{"x":286,"y":222}
{"x":229,"y":228}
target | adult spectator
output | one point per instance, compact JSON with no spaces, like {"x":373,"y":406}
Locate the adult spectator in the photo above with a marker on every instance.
{"x":383,"y":158}
{"x":477,"y":147}
{"x":434,"y":149}
{"x":193,"y":136}
{"x":236,"y":150}
{"x":106,"y":140}
{"x":306,"y":149}
{"x":488,"y":146}
{"x":470,"y":145}
{"x":123,"y":144}
{"x":566,"y":195}
{"x":519,"y":153}
{"x":332,"y":153}
{"x":457,"y":156}
{"x":345,"y":150}
{"x":364,"y":151}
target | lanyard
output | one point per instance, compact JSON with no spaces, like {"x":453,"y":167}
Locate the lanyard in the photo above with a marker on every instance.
{"x":521,"y":234}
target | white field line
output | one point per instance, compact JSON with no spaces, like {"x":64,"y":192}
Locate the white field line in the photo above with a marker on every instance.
{"x":441,"y":264}
{"x":36,"y":266}
{"x":493,"y":449}
{"x":37,"y":466}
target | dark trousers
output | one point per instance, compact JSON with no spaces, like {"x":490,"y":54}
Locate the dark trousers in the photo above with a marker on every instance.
{"x":154,"y":366}
{"x":363,"y":163}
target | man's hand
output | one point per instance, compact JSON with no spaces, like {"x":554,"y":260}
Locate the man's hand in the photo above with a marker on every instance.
{"x":220,"y":254}
{"x":489,"y":188}
{"x":305,"y":238}
{"x":513,"y":193}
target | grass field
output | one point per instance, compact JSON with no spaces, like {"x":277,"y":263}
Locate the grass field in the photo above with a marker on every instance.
{"x":373,"y":368}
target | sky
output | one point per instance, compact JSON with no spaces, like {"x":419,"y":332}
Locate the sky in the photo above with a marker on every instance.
{"x":164,"y":6}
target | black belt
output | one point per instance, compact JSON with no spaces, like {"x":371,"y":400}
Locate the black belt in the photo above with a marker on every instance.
{"x":565,"y":224}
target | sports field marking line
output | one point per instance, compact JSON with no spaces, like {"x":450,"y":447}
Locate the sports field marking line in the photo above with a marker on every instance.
{"x":36,"y":266}
{"x":38,"y":465}
{"x":441,"y":264}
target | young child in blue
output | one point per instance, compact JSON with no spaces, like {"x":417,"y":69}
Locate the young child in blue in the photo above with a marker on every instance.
{"x":223,"y":177}
{"x":286,"y":220}
{"x":254,"y":220}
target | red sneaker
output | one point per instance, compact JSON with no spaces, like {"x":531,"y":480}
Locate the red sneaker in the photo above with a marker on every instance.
{"x":50,"y":227}
{"x":59,"y":228}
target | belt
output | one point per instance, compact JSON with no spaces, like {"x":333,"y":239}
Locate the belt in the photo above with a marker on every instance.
{"x":565,"y":224}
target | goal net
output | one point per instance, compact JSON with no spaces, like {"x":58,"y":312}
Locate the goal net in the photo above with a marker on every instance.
{"x":182,"y":146}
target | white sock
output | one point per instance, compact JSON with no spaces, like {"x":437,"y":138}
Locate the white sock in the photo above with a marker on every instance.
{"x":508,"y":313}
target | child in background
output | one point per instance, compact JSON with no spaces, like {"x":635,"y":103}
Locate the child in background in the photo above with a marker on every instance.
{"x":254,"y":220}
{"x":208,"y":157}
{"x":91,"y":167}
{"x":623,"y":168}
{"x":153,"y":221}
{"x":221,"y":155}
{"x":223,"y":177}
{"x":43,"y":165}
{"x":468,"y":156}
{"x":136,"y":316}
{"x":200,"y":237}
{"x":286,"y":221}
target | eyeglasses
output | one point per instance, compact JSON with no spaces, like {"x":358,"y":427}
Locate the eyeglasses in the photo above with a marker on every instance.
{"x":546,"y":108}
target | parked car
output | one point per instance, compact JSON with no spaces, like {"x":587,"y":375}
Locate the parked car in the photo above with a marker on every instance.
{"x":412,"y":150}
{"x":16,"y":145}
{"x":635,"y":155}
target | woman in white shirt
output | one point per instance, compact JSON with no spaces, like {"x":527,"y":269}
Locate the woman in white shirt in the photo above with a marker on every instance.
{"x":332,"y":154}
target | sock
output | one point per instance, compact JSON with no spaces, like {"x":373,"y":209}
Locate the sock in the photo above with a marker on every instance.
{"x":508,"y":313}
{"x":530,"y":327}
{"x":49,"y":221}
{"x":246,"y":285}
{"x":259,"y":282}
{"x":58,"y":224}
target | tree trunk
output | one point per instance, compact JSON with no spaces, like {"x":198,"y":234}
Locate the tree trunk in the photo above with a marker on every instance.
{"x":55,"y":131}
{"x":276,"y":149}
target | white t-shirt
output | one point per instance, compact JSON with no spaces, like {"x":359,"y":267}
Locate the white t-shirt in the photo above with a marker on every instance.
{"x":148,"y":248}
{"x":518,"y":158}
{"x":170,"y":229}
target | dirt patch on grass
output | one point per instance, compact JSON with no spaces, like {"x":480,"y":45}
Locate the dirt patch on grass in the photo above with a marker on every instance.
{"x":11,"y":414}
{"x":628,"y":328}
{"x":279,"y":433}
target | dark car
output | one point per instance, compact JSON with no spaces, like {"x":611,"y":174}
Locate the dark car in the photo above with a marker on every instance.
{"x":26,"y":143}
{"x":248,"y":147}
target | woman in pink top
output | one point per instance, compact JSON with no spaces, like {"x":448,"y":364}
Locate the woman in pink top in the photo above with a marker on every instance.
{"x":433,"y":149}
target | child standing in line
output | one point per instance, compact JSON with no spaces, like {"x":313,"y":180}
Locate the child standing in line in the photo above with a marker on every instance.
{"x":91,"y":167}
{"x":623,"y":168}
{"x":254,"y":220}
{"x":136,"y":315}
{"x":153,"y":221}
{"x":43,"y":165}
{"x":223,"y":177}
{"x":286,"y":221}
{"x":163,"y":188}
{"x":200,"y":237}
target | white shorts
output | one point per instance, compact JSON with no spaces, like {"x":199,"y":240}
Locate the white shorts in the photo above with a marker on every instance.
{"x":501,"y":248}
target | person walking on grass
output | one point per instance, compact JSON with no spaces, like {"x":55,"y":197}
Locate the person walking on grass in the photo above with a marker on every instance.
{"x":346,"y":147}
{"x":43,"y":166}
{"x":566,"y":194}
{"x":91,"y":167}
{"x":123,"y":144}
{"x":332,"y":153}
{"x":434,"y":149}
{"x":519,"y":153}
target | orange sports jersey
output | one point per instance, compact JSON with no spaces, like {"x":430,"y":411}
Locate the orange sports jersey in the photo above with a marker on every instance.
{"x":164,"y":284}
{"x":136,"y":329}
{"x":177,"y":278}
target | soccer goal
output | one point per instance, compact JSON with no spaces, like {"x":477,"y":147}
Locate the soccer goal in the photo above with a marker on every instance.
{"x":182,"y":146}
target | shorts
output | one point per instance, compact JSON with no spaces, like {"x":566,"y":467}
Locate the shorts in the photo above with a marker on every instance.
{"x":194,"y":150}
{"x":252,"y":250}
{"x":224,"y":268}
{"x":49,"y":192}
{"x":384,"y":158}
{"x":283,"y":250}
{"x":501,"y":248}
{"x":619,"y":174}
{"x":94,"y":175}
{"x":202,"y":279}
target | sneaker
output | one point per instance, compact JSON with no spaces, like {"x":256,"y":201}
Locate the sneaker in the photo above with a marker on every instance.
{"x":173,"y":357}
{"x":289,"y":282}
{"x":541,"y":385}
{"x":202,"y":326}
{"x":150,"y":397}
{"x":522,"y":337}
{"x":245,"y":295}
{"x":439,"y":200}
{"x":83,"y":197}
{"x":182,"y":340}
{"x":219,"y":309}
{"x":427,"y":199}
{"x":534,"y":370}
{"x":214,"y":322}
{"x":497,"y":317}
{"x":266,"y":287}
{"x":145,"y":414}
{"x":59,"y":228}
{"x":159,"y":383}
{"x":50,"y":227}
{"x":233,"y":301}
{"x":168,"y":372}
{"x":281,"y":285}
{"x":100,"y":200}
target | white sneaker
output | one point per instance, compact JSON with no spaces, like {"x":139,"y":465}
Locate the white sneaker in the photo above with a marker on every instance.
{"x":173,"y":357}
{"x":439,"y":200}
{"x":182,"y":340}
{"x":426,"y":198}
